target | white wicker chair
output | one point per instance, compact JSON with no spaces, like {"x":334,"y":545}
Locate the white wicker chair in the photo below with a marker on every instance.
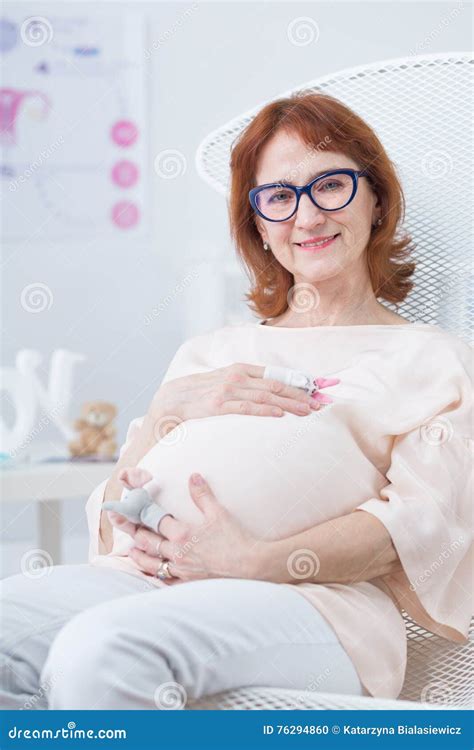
{"x":420,"y":107}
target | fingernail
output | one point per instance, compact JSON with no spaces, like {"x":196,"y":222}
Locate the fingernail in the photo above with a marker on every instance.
{"x":197,"y":479}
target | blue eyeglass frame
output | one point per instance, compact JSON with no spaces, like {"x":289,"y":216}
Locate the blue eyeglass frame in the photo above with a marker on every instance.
{"x":306,"y":190}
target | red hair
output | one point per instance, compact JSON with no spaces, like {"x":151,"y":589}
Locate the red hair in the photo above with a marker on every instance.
{"x":319,"y":120}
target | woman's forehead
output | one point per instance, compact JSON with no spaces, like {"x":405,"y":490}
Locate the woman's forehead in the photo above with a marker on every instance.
{"x":287,"y":158}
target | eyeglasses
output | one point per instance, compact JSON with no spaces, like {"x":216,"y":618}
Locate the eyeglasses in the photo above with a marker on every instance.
{"x":330,"y":191}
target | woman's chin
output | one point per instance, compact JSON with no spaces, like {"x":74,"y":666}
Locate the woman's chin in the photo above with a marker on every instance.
{"x":314,"y":269}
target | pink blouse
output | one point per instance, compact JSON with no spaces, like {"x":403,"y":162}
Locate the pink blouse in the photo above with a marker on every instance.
{"x":396,"y":442}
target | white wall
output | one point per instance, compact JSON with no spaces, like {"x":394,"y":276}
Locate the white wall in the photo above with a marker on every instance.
{"x":222,"y":59}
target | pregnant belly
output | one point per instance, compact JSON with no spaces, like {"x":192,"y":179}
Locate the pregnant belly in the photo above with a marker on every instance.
{"x":277,"y":476}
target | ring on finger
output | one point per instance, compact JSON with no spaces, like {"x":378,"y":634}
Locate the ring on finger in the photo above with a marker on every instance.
{"x":157,"y":550}
{"x":163,"y":570}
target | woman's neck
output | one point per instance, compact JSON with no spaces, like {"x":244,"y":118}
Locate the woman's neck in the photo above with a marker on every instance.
{"x":377,"y":315}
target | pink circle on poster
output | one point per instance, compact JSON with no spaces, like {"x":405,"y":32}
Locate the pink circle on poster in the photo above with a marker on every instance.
{"x":125,"y":173}
{"x":124,"y":133}
{"x":125,"y":214}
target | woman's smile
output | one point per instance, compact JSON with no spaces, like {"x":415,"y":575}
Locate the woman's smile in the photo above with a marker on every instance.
{"x":312,"y":246}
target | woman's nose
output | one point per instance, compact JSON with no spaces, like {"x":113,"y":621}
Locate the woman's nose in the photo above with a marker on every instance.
{"x":308,"y":215}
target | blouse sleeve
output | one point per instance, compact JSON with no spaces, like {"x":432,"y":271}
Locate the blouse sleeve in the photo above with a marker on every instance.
{"x":94,"y":502}
{"x":96,"y":498}
{"x":427,"y":504}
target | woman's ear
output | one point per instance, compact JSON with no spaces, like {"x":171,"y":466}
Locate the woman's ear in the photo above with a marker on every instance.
{"x":377,"y":208}
{"x":261,"y":229}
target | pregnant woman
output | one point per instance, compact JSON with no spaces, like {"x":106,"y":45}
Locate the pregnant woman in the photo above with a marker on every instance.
{"x":315,"y":520}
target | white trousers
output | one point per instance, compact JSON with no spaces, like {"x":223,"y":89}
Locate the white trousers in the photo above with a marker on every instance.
{"x":86,"y":637}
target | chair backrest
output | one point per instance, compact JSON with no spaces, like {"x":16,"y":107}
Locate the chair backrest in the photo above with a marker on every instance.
{"x":438,"y":671}
{"x":421,"y":109}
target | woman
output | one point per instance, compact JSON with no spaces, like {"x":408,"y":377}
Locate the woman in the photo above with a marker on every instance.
{"x":269,"y":573}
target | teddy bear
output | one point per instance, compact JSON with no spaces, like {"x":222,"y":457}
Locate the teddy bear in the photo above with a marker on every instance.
{"x":95,"y":431}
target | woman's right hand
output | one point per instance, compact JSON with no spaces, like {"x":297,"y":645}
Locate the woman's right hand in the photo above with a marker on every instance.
{"x":239,"y":388}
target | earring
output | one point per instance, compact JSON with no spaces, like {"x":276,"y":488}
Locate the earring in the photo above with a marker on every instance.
{"x":377,"y":223}
{"x":266,"y":246}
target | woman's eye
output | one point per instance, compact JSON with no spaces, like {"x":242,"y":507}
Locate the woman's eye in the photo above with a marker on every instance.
{"x":333,"y":185}
{"x":280,"y":197}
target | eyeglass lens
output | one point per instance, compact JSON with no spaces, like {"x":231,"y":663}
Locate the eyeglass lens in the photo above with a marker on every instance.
{"x":332,"y":192}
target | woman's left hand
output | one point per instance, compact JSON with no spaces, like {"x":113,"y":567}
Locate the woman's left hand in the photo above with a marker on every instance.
{"x":219,"y":547}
